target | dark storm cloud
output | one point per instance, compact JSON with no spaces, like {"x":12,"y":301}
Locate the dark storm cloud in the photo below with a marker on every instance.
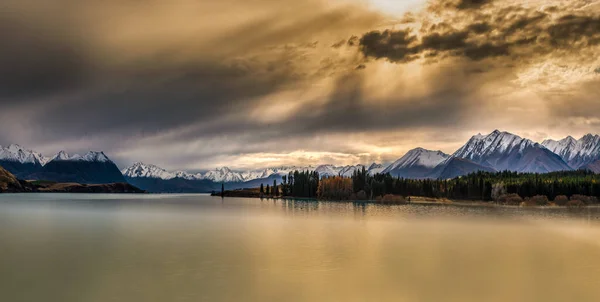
{"x":513,"y":32}
{"x":445,"y":42}
{"x":38,"y":58}
{"x":472,"y":4}
{"x":396,"y":46}
{"x":455,"y":43}
{"x":146,"y":101}
{"x":91,"y":81}
{"x":351,"y":109}
{"x":575,"y":29}
{"x":460,"y":5}
{"x":480,"y":28}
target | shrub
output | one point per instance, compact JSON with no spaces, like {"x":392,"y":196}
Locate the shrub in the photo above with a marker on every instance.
{"x":510,"y":199}
{"x":540,"y":200}
{"x":585,"y":199}
{"x":561,"y":200}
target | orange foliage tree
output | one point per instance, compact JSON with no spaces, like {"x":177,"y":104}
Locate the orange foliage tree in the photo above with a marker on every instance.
{"x":335,"y":188}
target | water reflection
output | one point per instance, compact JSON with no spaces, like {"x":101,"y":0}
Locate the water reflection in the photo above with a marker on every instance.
{"x":202,"y":248}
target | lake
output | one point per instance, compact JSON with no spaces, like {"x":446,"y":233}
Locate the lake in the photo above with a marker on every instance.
{"x":98,"y":248}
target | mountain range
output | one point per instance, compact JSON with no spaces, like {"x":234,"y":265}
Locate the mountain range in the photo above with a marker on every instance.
{"x":497,"y":151}
{"x":576,"y":153}
{"x":90,"y":168}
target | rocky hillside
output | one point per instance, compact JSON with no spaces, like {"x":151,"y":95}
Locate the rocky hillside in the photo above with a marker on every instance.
{"x":10,"y":184}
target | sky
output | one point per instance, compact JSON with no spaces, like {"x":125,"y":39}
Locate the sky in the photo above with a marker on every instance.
{"x":195,"y":85}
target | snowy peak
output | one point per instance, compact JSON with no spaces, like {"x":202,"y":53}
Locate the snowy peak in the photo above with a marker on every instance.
{"x":416,"y":163}
{"x":348,"y":171}
{"x":328,"y":170}
{"x":418,"y":157}
{"x":140,"y":169}
{"x":223,"y":175}
{"x":577,"y":153}
{"x":497,"y":142}
{"x":62,"y":155}
{"x":96,"y":157}
{"x":506,"y":151}
{"x":91,"y":156}
{"x":16,"y":153}
{"x":563,"y":147}
{"x":375,"y":168}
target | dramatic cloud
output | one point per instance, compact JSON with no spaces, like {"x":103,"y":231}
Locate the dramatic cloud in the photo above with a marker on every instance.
{"x":397,"y":46}
{"x":471,"y":4}
{"x":520,"y":33}
{"x":198,"y":84}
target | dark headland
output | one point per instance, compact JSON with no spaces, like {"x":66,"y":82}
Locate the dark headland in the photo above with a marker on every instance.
{"x":11,"y":184}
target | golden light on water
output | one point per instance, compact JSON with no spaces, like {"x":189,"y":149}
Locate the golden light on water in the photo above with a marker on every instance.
{"x":194,"y":248}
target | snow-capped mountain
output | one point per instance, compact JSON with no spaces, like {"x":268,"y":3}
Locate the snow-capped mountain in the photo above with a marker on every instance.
{"x":223,"y":175}
{"x":269,"y":172}
{"x":140,"y":169}
{"x":482,"y":146}
{"x":564,"y":147}
{"x":375,"y":168}
{"x":417,"y":163}
{"x":348,"y":171}
{"x":20,"y":161}
{"x":91,"y":168}
{"x":328,"y":170}
{"x":577,"y":153}
{"x":91,"y":156}
{"x":19,"y":154}
{"x":506,"y":151}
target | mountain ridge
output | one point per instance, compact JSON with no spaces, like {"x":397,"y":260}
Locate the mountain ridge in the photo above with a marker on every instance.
{"x":496,"y":151}
{"x":506,"y":151}
{"x":416,"y":163}
{"x":576,"y":153}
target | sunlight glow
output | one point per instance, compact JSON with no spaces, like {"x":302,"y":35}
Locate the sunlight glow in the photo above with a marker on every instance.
{"x":396,"y":6}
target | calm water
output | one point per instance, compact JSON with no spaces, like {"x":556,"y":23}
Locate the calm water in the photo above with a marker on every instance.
{"x":200,"y":248}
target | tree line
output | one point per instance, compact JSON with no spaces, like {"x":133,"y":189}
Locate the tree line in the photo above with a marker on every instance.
{"x":485,"y":186}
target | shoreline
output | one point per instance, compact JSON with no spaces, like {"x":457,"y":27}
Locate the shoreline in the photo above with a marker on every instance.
{"x":415,"y":201}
